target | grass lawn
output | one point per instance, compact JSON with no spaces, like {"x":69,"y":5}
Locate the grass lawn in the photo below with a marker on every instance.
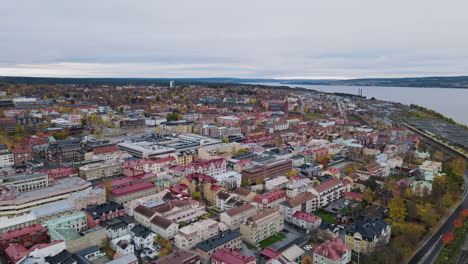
{"x":271,"y":240}
{"x":327,"y":217}
{"x":344,"y":210}
{"x":311,"y":115}
{"x":398,"y":176}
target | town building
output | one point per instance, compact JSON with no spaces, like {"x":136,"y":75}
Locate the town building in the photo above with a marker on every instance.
{"x":22,"y":154}
{"x":95,"y":171}
{"x":304,"y":202}
{"x":268,"y":169}
{"x":102,"y":212}
{"x":228,"y":239}
{"x":88,"y":197}
{"x":180,"y":257}
{"x":66,"y":227}
{"x":190,"y":235}
{"x":333,"y":251}
{"x":6,"y":159}
{"x":26,"y":236}
{"x":261,"y":226}
{"x":305,"y":220}
{"x":365,"y":234}
{"x":131,"y":192}
{"x":231,"y":256}
{"x":235,"y":216}
{"x":328,"y":191}
{"x":270,"y":199}
{"x":14,"y":203}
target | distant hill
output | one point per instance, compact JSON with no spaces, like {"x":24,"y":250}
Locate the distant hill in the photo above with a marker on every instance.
{"x":443,"y":82}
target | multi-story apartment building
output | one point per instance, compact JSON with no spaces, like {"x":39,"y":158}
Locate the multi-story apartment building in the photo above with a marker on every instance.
{"x":203,"y":184}
{"x":270,"y":200}
{"x":27,"y":182}
{"x":261,"y":226}
{"x":215,"y":151}
{"x":190,"y":235}
{"x":296,"y":187}
{"x":131,"y":192}
{"x":103,"y":212}
{"x":26,"y":236}
{"x":328,"y":191}
{"x":180,"y":126}
{"x":304,"y":202}
{"x":89,"y":197}
{"x":333,"y":251}
{"x":58,"y":228}
{"x":229,"y":239}
{"x":184,"y":158}
{"x":372,"y":170}
{"x":365,"y":234}
{"x":62,"y":151}
{"x":226,"y":200}
{"x":14,"y":203}
{"x":208,"y":167}
{"x":269,"y":169}
{"x":95,"y":171}
{"x":235,"y":216}
{"x":6,"y":159}
{"x":135,"y":167}
{"x":149,"y":218}
{"x":22,"y":154}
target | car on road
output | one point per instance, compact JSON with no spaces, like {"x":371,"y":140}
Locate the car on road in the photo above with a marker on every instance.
{"x":308,"y":247}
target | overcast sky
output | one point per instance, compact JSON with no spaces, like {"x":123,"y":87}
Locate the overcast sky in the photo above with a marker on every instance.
{"x":237,"y":38}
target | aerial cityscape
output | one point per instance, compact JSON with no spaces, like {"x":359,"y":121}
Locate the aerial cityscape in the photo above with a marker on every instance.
{"x":219,"y":133}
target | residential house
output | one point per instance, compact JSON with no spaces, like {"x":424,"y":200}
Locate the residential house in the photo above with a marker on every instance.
{"x":333,"y":251}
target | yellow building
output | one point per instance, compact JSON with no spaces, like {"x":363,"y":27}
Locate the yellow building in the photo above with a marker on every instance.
{"x":180,"y":126}
{"x":204,"y":184}
{"x":184,"y":158}
{"x":261,"y":226}
{"x":365,"y":234}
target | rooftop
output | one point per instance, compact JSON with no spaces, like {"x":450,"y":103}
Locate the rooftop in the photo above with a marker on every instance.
{"x":218,"y":240}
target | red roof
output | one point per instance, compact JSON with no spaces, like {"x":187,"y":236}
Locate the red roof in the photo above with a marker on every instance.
{"x":138,"y":187}
{"x":332,"y":249}
{"x":22,"y":149}
{"x":272,"y":196}
{"x":230,"y":256}
{"x":22,"y":232}
{"x":269,"y":253}
{"x":306,"y":217}
{"x":353,"y":195}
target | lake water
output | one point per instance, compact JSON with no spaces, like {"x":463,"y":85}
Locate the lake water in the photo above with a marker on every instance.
{"x":450,"y":102}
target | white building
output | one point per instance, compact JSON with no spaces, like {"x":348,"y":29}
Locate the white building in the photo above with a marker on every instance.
{"x":190,"y":235}
{"x":328,"y":191}
{"x":6,"y":159}
{"x":229,"y":179}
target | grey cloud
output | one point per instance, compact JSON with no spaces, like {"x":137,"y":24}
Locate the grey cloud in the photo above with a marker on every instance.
{"x":243,"y":38}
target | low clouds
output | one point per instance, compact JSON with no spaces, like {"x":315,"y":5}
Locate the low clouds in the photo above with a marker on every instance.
{"x":264,"y":38}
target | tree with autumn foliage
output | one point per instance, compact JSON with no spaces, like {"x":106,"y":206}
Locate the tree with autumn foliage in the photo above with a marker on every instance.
{"x":447,"y":238}
{"x":307,"y":260}
{"x":397,"y":209}
{"x":464,"y":213}
{"x":458,"y":222}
